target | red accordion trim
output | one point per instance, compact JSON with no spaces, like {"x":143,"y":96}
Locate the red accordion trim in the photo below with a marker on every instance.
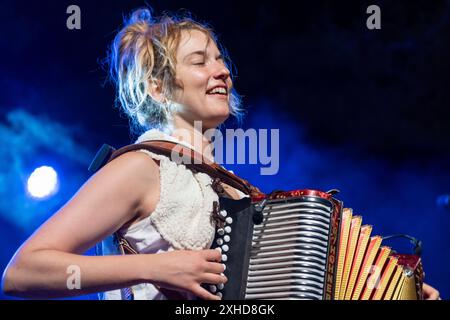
{"x":292,"y":194}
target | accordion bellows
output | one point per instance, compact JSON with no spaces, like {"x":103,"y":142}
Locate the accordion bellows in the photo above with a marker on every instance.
{"x":303,"y":244}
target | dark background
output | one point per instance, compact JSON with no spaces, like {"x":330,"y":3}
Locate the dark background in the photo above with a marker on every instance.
{"x":364,"y":111}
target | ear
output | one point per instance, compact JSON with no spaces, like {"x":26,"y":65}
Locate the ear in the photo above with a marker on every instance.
{"x":155,"y":88}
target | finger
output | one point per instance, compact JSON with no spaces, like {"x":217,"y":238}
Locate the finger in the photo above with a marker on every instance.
{"x":434,"y":295}
{"x":212,"y":255}
{"x":212,"y":278}
{"x":215,"y":267}
{"x":431,"y":296}
{"x":430,"y":293}
{"x":204,"y":294}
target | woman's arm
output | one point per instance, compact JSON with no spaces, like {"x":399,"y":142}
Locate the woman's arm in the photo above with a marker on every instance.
{"x":113,"y":196}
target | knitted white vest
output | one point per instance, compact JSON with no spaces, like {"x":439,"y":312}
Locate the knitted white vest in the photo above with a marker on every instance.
{"x":183,"y":213}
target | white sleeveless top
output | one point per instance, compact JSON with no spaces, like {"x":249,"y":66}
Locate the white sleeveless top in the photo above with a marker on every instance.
{"x":181,"y":219}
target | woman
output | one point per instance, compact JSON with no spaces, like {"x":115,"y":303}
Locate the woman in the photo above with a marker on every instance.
{"x":169,"y":74}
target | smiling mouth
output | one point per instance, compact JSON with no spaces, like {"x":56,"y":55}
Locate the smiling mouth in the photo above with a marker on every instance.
{"x":218,"y":91}
{"x":218,"y":96}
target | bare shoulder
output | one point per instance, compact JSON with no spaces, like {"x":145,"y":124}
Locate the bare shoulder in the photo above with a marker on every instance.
{"x":141,"y":173}
{"x":137,"y":164}
{"x":137,"y":172}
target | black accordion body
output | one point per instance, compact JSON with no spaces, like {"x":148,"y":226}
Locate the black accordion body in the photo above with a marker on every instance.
{"x":303,"y":244}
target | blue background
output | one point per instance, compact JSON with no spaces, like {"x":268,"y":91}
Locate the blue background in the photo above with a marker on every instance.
{"x":366,"y":112}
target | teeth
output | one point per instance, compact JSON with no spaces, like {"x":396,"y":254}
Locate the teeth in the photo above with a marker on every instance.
{"x":219,"y":90}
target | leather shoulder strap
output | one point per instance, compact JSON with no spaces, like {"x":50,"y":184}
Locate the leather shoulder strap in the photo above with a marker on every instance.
{"x":190,"y":158}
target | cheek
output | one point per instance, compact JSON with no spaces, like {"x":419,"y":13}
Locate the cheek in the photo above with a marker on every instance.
{"x":198,"y":80}
{"x":193,"y":84}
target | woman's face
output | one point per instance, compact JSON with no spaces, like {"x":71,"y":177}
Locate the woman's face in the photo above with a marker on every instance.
{"x":204,"y":80}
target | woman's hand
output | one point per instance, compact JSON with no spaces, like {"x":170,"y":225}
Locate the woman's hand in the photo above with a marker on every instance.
{"x":187,"y":270}
{"x":430,"y":293}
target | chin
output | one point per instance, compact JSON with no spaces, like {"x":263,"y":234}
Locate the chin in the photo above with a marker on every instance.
{"x":215,"y":121}
{"x":223,"y":115}
{"x":222,"y":111}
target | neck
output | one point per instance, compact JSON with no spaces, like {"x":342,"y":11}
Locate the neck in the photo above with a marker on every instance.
{"x":194,"y":135}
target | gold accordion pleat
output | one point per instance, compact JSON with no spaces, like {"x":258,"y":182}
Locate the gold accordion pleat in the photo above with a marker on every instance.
{"x":366,"y":270}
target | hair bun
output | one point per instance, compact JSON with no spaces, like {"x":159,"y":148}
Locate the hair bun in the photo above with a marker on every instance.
{"x":141,"y":15}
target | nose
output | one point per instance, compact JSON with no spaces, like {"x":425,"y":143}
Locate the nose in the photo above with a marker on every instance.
{"x":221,"y":72}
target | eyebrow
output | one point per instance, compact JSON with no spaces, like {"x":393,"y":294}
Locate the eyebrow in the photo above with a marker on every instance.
{"x":200,"y":53}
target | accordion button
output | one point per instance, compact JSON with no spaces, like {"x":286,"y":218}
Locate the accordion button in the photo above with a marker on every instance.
{"x":213,"y":289}
{"x":225,"y":248}
{"x":220,"y":231}
{"x":224,"y":266}
{"x":229,"y":220}
{"x":224,"y":258}
{"x":219,"y":241}
{"x":219,"y":294}
{"x":220,"y":286}
{"x":227,"y":229}
{"x":226,"y":238}
{"x":223,"y":213}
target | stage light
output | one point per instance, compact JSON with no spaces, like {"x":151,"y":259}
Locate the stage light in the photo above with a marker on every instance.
{"x":43,"y":182}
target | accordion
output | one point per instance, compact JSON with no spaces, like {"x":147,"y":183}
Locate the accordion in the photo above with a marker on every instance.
{"x":304,"y":244}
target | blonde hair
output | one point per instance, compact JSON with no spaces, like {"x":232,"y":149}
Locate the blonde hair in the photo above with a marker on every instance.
{"x":144,"y":51}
